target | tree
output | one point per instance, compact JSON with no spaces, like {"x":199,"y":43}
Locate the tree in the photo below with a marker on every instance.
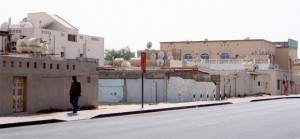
{"x":122,"y":53}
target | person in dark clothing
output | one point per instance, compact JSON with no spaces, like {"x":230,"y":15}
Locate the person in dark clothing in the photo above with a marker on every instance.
{"x":75,"y":93}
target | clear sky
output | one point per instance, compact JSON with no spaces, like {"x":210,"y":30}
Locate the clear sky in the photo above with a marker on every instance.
{"x":135,"y":22}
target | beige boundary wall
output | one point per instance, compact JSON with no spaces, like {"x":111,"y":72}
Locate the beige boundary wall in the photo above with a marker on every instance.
{"x":46,"y":83}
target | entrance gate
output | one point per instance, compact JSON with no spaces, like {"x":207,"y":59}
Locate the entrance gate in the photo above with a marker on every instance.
{"x":18,"y":94}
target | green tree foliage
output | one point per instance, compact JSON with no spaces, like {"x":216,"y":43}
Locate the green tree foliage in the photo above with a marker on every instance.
{"x":122,"y":53}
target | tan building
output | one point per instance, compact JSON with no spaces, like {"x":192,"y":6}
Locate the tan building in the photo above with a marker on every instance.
{"x":31,"y":85}
{"x":247,"y":67}
{"x":232,"y":49}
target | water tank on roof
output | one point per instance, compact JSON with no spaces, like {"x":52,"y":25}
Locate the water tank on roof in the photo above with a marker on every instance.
{"x":135,"y":61}
{"x":125,"y":64}
{"x":4,"y":26}
{"x":31,"y":45}
{"x":21,"y":25}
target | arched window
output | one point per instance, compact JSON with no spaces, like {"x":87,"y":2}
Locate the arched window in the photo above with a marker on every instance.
{"x":188,"y":56}
{"x":204,"y":56}
{"x":224,"y":56}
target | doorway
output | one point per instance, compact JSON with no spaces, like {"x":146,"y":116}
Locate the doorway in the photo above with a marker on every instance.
{"x":18,"y":94}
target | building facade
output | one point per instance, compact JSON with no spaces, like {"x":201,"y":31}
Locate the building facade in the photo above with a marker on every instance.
{"x":247,"y":67}
{"x":63,"y":39}
{"x":30,"y":85}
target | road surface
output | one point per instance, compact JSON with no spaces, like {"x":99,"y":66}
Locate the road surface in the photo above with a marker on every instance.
{"x":275,"y":119}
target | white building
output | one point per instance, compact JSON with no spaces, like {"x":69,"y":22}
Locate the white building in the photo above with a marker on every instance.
{"x":63,"y":39}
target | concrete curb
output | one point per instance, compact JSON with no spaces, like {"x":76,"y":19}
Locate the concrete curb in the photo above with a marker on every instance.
{"x":48,"y":121}
{"x":10,"y":125}
{"x":157,"y":110}
{"x":257,"y":100}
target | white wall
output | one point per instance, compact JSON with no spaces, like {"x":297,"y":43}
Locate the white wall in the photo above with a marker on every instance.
{"x":183,"y":90}
{"x":110,"y":90}
{"x":151,"y":95}
{"x":57,"y":38}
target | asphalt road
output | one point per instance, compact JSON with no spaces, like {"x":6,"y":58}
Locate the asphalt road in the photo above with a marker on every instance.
{"x":276,"y":119}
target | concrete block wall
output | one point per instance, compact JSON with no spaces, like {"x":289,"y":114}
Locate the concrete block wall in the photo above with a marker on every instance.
{"x":111,"y":90}
{"x":187,"y":90}
{"x":153,"y":90}
{"x":130,"y":90}
{"x":47,"y":83}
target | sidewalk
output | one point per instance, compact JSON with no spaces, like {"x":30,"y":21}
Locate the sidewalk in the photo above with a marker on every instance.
{"x":118,"y":110}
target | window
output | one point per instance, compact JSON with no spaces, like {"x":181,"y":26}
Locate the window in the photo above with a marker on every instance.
{"x":44,"y":65}
{"x":188,"y":56}
{"x":67,"y":66}
{"x":50,"y":66}
{"x":72,"y":38}
{"x":73,"y":67}
{"x":224,"y":56}
{"x":88,"y":79}
{"x":12,"y":64}
{"x":34,"y":64}
{"x":95,"y":39}
{"x":278,"y":84}
{"x":62,"y":54}
{"x":57,"y":66}
{"x":205,"y":56}
{"x":20,"y":64}
{"x":258,"y":84}
{"x":4,"y":63}
{"x":28,"y":65}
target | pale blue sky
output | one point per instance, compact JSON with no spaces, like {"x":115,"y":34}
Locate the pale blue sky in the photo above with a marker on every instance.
{"x":135,"y":22}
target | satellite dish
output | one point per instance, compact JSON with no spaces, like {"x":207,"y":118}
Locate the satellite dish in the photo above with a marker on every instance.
{"x":160,"y":62}
{"x":161,"y":54}
{"x":149,"y":45}
{"x":153,"y":56}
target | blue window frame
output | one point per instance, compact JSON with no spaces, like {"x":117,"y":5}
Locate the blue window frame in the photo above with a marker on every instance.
{"x":188,"y":56}
{"x":224,"y":56}
{"x":204,"y":56}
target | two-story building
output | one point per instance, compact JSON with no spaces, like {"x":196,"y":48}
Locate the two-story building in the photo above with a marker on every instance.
{"x":63,"y":38}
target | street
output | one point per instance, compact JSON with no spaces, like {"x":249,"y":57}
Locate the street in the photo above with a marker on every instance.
{"x":275,"y":119}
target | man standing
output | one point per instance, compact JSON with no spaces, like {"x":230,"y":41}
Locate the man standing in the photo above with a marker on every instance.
{"x":75,"y":92}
